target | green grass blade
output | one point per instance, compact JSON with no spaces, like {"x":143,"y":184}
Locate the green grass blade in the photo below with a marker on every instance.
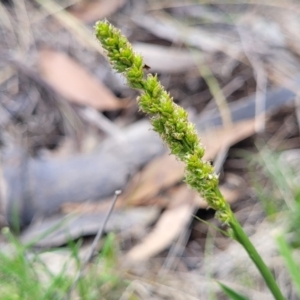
{"x":232,"y":294}
{"x":286,"y":253}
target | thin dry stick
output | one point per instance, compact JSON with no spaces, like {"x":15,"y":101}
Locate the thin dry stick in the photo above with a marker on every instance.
{"x":101,"y":229}
{"x":95,"y":242}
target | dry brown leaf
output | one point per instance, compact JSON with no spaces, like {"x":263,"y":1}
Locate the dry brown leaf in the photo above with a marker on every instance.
{"x":216,"y":139}
{"x":74,"y":82}
{"x":165,"y":59}
{"x":167,"y":229}
{"x":95,"y":10}
{"x":161,"y":173}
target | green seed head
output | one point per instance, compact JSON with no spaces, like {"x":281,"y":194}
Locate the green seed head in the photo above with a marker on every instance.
{"x":168,"y":119}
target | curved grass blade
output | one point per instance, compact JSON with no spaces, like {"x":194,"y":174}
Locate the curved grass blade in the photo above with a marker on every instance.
{"x":232,"y":294}
{"x":293,"y":268}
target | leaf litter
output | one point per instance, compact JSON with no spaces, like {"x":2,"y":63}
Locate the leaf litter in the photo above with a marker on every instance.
{"x":75,"y":83}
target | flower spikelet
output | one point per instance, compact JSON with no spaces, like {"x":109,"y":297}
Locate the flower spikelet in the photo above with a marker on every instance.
{"x":169,"y":120}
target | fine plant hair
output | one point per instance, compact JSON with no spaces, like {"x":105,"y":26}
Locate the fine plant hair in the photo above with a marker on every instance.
{"x":170,"y":121}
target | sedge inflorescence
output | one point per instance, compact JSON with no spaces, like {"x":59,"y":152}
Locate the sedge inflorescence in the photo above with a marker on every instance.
{"x":169,"y":120}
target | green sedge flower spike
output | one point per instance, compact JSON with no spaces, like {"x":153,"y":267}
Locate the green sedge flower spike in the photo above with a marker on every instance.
{"x":168,"y":119}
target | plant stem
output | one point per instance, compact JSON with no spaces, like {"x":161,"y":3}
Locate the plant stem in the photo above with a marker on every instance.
{"x":241,"y":237}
